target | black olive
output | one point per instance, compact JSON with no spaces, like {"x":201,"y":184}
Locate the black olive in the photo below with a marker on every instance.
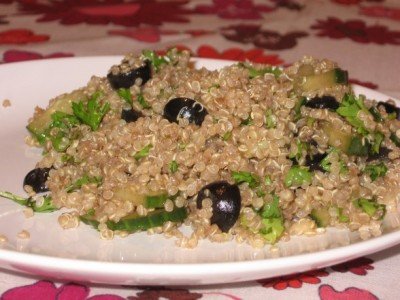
{"x":381,"y":155}
{"x":130,"y":115}
{"x":126,"y":80}
{"x":328,"y":102}
{"x":390,"y":108}
{"x":37,"y":178}
{"x":226,"y":201}
{"x":314,"y":161}
{"x":185,"y":108}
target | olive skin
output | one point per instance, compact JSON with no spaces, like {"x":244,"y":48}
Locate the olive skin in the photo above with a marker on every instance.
{"x":37,"y":178}
{"x":126,"y":80}
{"x":328,"y":102}
{"x":390,"y":108}
{"x":381,"y":155}
{"x":313,"y":162}
{"x":226,"y":202}
{"x":185,"y":108}
{"x":130,"y":115}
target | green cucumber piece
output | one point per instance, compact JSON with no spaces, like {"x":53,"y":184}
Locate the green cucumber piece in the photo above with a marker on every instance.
{"x":133,"y":222}
{"x":321,"y":217}
{"x":155,"y":219}
{"x":63,"y":104}
{"x":156,"y":201}
{"x":324,"y":80}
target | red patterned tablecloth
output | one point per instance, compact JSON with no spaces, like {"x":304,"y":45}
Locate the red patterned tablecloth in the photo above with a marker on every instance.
{"x":363,"y":36}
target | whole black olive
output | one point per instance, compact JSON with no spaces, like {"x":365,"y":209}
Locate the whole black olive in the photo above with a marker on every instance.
{"x":226,"y":201}
{"x":328,"y":102}
{"x":314,"y":161}
{"x":130,"y":115}
{"x":390,"y":108}
{"x":127,"y":79}
{"x":381,"y":155}
{"x":37,"y":178}
{"x":185,"y":108}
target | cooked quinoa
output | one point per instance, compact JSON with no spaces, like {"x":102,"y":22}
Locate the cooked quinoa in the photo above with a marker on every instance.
{"x":249,"y":152}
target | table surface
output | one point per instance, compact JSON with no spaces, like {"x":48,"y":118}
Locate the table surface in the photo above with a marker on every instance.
{"x":363,"y":36}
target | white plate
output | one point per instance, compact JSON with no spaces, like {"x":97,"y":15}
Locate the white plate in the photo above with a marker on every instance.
{"x":79,"y":254}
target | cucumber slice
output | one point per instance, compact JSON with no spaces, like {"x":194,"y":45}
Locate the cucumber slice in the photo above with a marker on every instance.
{"x":62,"y":103}
{"x":321,"y":81}
{"x":134,"y":222}
{"x":346,"y":142}
{"x":155,"y":219}
{"x":321,"y":217}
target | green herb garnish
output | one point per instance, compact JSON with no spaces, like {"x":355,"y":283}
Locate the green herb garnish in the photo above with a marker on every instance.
{"x":376,"y":170}
{"x":143,"y":103}
{"x":349,"y":109}
{"x":92,"y":113}
{"x":126,"y":95}
{"x":297,"y":176}
{"x":241,"y":177}
{"x":272,"y":220}
{"x":46,"y":205}
{"x":85,"y":179}
{"x":173,"y":166}
{"x":143,"y":152}
{"x":371,"y":207}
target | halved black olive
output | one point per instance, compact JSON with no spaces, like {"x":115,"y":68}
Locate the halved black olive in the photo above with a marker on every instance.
{"x":328,"y":102}
{"x":313,"y":161}
{"x":390,"y":108}
{"x":381,"y":155}
{"x":127,"y":79}
{"x":130,"y":115}
{"x":226,"y":201}
{"x":185,"y":108}
{"x":37,"y":178}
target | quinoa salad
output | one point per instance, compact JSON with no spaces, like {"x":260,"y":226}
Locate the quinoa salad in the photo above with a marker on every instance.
{"x":252,"y":153}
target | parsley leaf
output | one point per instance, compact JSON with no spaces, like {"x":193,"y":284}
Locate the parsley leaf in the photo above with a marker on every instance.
{"x":297,"y":175}
{"x":143,"y":152}
{"x":248,"y":177}
{"x":126,"y":95}
{"x":142,"y":101}
{"x":93,"y":113}
{"x":45,"y":203}
{"x":376,"y":170}
{"x":173,"y":166}
{"x":85,"y":179}
{"x":155,"y":59}
{"x":371,"y":207}
{"x":272,"y":220}
{"x":349,"y":109}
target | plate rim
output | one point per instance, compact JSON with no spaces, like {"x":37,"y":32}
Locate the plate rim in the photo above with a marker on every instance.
{"x":320,"y":257}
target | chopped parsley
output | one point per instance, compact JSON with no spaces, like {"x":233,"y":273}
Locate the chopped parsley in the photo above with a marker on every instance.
{"x":45,"y":203}
{"x":254,"y":72}
{"x":376,"y":170}
{"x":85,"y":179}
{"x":92,"y":113}
{"x":371,"y":207}
{"x":173,"y":166}
{"x":349,"y":109}
{"x":270,"y":119}
{"x":297,"y":176}
{"x":126,"y":95}
{"x":155,"y":59}
{"x":143,"y":152}
{"x":272,"y":220}
{"x":241,"y":177}
{"x":143,"y":103}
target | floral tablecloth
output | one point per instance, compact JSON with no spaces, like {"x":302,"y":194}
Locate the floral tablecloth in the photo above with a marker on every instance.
{"x":363,"y":36}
